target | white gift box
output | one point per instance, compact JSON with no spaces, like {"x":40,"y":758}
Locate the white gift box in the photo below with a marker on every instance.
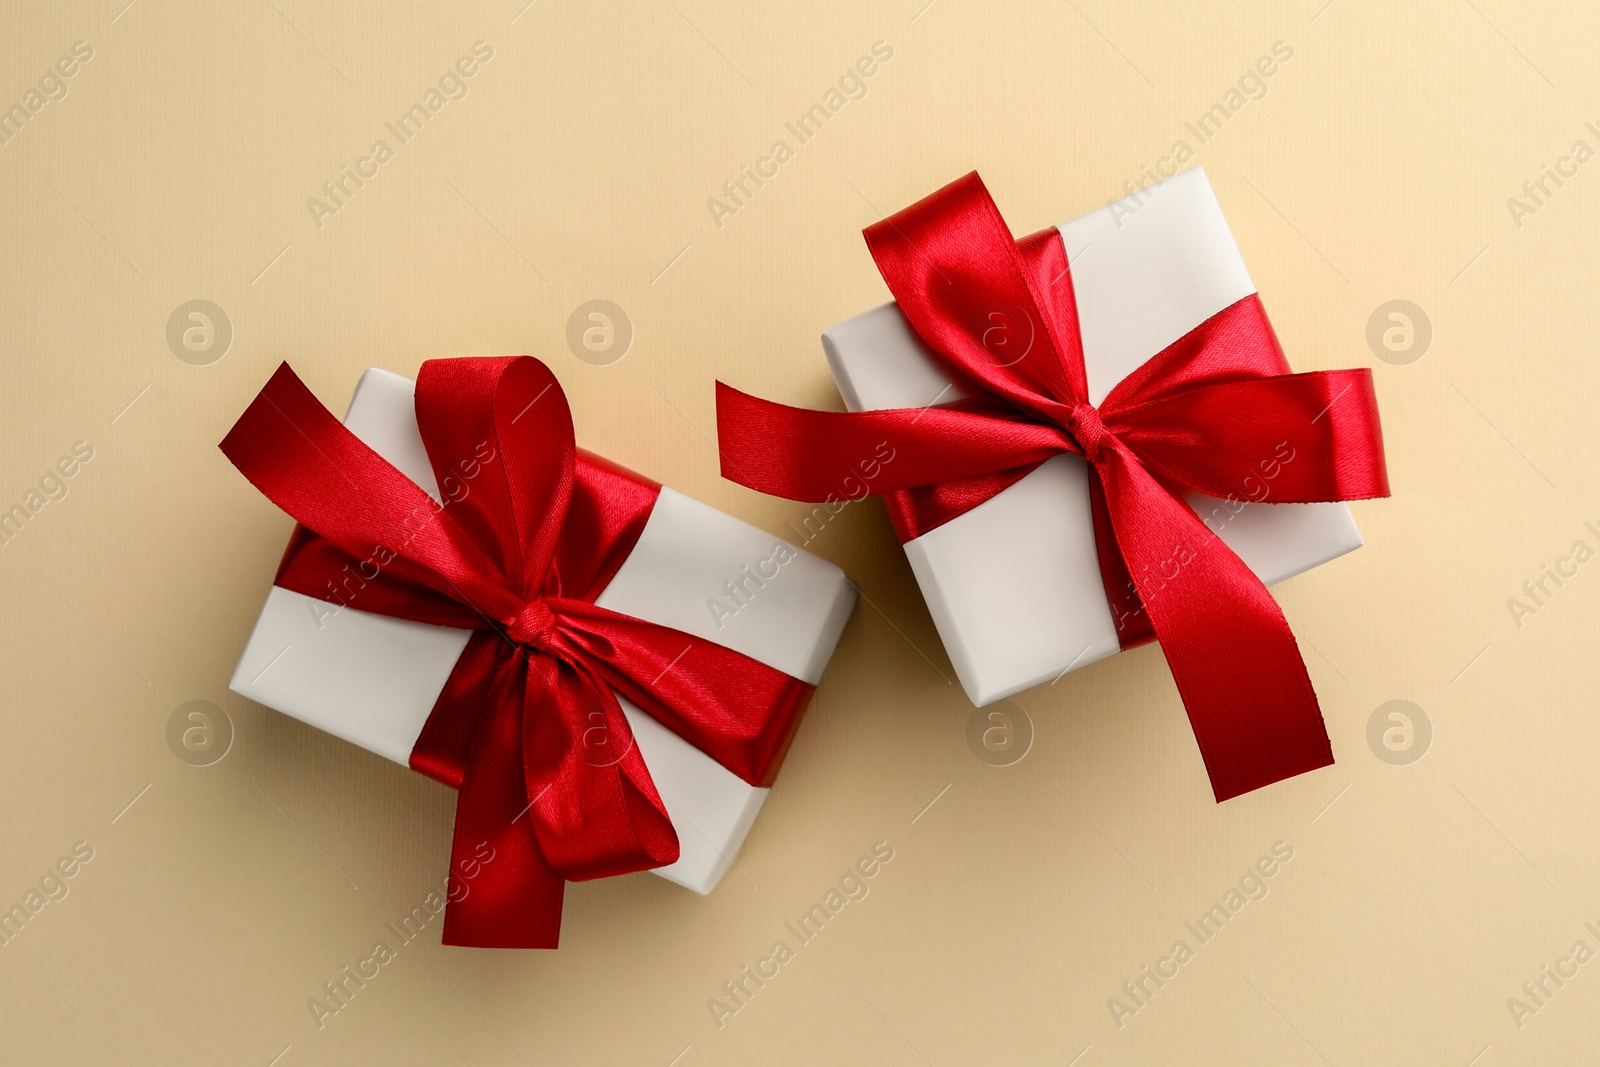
{"x":372,"y":679}
{"x":1014,"y":585}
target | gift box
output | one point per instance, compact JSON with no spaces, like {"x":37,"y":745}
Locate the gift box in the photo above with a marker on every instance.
{"x":1014,"y":585}
{"x":1089,"y":438}
{"x":374,"y":679}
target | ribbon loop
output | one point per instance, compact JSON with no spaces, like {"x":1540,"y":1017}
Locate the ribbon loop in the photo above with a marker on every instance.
{"x":1217,"y":411}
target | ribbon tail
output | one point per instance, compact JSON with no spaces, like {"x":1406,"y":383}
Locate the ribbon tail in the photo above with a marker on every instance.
{"x":501,"y":892}
{"x":305,"y":461}
{"x":1232,"y":654}
{"x":1127,"y":612}
{"x":829,"y":455}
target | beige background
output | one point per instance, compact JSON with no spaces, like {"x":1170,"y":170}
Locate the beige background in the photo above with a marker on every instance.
{"x":1377,"y":166}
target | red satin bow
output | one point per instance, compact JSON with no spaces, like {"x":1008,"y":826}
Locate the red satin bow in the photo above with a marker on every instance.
{"x":528,"y":724}
{"x":1203,"y":414}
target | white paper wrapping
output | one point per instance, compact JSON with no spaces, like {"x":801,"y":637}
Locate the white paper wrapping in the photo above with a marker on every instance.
{"x":1014,"y":584}
{"x":372,"y":680}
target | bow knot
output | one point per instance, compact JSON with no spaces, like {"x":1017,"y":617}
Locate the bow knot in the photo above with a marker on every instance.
{"x":534,"y":626}
{"x":1084,"y":424}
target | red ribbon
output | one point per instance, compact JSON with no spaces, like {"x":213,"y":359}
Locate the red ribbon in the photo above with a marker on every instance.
{"x":1212,"y":412}
{"x":528,"y":727}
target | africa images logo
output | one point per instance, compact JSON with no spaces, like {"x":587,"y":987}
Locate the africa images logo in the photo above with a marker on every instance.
{"x":1251,"y":887}
{"x":853,"y":885}
{"x":339,"y":190}
{"x":753,"y":177}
